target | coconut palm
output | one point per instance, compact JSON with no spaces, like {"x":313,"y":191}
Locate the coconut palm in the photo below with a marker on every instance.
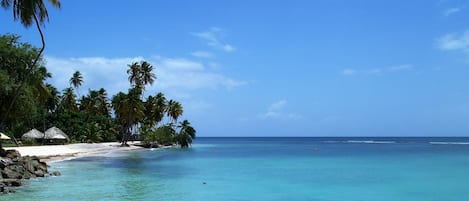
{"x":150,"y":105}
{"x":68,"y":101}
{"x":96,"y":102}
{"x":174,"y":110}
{"x":140,"y":74}
{"x":129,"y":109}
{"x":160,"y":107}
{"x":148,"y":77}
{"x":29,"y":11}
{"x":185,"y":135}
{"x":134,"y":72}
{"x":76,"y":81}
{"x":52,"y":103}
{"x":102,"y":102}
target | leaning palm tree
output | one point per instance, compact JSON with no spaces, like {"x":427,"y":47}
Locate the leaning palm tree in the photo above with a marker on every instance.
{"x":29,"y":11}
{"x":76,"y":80}
{"x":186,"y":134}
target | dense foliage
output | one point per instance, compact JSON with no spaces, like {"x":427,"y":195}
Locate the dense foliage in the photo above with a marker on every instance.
{"x":27,"y":101}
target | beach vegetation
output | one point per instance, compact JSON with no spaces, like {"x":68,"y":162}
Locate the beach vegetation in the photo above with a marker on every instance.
{"x":93,"y":117}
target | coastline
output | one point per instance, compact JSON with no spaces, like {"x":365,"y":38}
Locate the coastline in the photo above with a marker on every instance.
{"x":56,"y":153}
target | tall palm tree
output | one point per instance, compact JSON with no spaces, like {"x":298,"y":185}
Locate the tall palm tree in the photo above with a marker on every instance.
{"x":29,"y":11}
{"x":160,"y":107}
{"x":174,"y":110}
{"x":76,"y":81}
{"x":96,"y":102}
{"x":134,"y":72}
{"x":102,"y":103}
{"x":68,"y":101}
{"x":140,"y":74}
{"x":52,"y":103}
{"x":129,"y":110}
{"x":186,"y":134}
{"x":149,"y":119}
{"x":148,"y":77}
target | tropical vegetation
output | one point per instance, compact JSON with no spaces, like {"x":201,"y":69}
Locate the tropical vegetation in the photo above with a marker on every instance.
{"x":28,"y":101}
{"x":94,"y":116}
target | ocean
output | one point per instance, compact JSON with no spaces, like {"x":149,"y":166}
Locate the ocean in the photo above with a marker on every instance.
{"x":268,"y":169}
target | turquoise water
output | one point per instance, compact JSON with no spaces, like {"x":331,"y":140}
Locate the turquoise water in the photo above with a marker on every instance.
{"x":317,"y":169}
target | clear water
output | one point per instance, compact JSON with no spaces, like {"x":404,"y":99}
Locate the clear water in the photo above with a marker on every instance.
{"x":317,"y":169}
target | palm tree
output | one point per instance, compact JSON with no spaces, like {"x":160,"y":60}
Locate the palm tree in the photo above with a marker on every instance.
{"x":174,"y":110}
{"x":149,"y":119}
{"x":28,"y":11}
{"x":68,"y":101}
{"x":96,"y":103}
{"x":160,"y":107}
{"x":134,"y":75}
{"x":140,"y":74}
{"x":129,"y":110}
{"x":146,"y":73}
{"x":102,"y":103}
{"x":52,"y":103}
{"x":76,"y":80}
{"x":186,"y":134}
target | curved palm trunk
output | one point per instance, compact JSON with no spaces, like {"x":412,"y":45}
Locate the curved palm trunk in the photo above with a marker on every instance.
{"x":32,"y":66}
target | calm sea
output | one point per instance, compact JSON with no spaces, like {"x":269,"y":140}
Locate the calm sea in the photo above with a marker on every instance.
{"x":245,"y":169}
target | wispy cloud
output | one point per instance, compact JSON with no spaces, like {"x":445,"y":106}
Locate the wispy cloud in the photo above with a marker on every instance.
{"x":276,"y":111}
{"x":202,"y":54}
{"x":176,"y":76}
{"x":377,"y":71}
{"x":451,"y":11}
{"x":454,"y":41}
{"x":214,"y":37}
{"x":348,"y":72}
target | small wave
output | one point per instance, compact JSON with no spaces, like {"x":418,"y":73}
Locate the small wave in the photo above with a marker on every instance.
{"x":450,"y":143}
{"x":370,"y":142}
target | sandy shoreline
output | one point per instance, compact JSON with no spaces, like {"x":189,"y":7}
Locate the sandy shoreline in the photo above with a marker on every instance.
{"x":54,"y":153}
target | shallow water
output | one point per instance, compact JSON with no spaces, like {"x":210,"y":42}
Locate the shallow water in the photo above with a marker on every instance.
{"x":318,"y":169}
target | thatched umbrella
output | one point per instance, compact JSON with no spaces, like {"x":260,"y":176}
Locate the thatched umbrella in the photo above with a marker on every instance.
{"x":55,"y":133}
{"x":33,"y":134}
{"x":4,"y":137}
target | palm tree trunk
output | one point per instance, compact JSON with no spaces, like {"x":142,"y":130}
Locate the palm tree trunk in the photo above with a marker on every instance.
{"x":32,"y":67}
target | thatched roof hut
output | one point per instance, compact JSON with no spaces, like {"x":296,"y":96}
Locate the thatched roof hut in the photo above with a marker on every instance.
{"x":4,"y":137}
{"x":33,"y":134}
{"x":55,"y":133}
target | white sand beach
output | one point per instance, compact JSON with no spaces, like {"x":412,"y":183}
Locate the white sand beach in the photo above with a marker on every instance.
{"x":51,"y":153}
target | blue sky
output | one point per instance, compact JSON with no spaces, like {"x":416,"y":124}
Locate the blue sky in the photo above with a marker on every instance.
{"x":268,"y":68}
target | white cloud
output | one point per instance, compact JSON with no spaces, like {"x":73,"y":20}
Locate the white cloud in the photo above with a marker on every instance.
{"x":276,"y":111}
{"x":377,"y":71}
{"x":278,"y":105}
{"x":202,"y":54}
{"x":454,"y":41}
{"x":348,"y":71}
{"x":451,"y":11}
{"x":404,"y":67}
{"x":175,"y":76}
{"x":213,"y":37}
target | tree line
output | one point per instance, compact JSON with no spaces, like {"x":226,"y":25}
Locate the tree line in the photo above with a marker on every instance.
{"x":28,"y":101}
